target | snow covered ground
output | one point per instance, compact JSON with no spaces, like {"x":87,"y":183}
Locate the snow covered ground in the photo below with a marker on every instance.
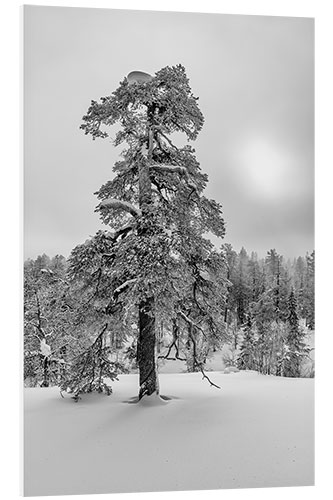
{"x":256,"y":431}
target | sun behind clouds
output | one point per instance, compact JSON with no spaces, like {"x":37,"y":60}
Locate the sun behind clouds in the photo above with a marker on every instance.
{"x":267,"y":169}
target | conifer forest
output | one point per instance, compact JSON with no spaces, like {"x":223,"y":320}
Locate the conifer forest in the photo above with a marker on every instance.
{"x":152,"y":286}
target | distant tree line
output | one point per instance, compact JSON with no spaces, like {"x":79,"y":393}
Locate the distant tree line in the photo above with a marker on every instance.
{"x":270,"y":309}
{"x":79,"y":339}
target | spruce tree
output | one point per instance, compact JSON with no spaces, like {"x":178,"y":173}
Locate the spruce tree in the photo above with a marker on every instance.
{"x":230,"y":257}
{"x":274,"y":272}
{"x":309,"y":292}
{"x":255,"y":278}
{"x":246,"y":358}
{"x":241,"y":288}
{"x":296,"y":347}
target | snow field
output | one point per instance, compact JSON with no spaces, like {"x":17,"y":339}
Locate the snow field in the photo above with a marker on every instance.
{"x":256,"y":431}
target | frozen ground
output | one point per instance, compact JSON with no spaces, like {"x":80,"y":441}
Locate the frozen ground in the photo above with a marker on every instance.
{"x":257,"y":431}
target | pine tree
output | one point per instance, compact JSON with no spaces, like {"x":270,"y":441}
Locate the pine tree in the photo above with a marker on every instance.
{"x":155,"y":206}
{"x":309,"y":292}
{"x":255,"y":278}
{"x":246,"y":358}
{"x":274,"y":265}
{"x":91,"y":370}
{"x":241,"y":289}
{"x":282,"y":353}
{"x":47,"y":320}
{"x":263,"y":313}
{"x":296,"y":347}
{"x":230,"y":257}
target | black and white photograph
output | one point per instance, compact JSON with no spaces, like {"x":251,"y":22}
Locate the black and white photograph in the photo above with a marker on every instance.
{"x":169,"y":254}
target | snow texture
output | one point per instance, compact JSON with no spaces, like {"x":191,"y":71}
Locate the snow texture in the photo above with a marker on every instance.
{"x":257,"y":431}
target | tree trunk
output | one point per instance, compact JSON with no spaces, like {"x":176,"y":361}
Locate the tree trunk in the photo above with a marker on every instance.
{"x":192,"y":356}
{"x":147,"y":349}
{"x":148,"y":375}
{"x":46,"y":372}
{"x":62,"y":367}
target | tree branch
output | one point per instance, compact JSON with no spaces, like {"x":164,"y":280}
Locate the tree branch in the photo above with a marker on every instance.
{"x":166,"y":356}
{"x":190,"y":322}
{"x":172,"y":169}
{"x":119,"y":204}
{"x":113,"y":304}
{"x":175,"y":332}
{"x":122,"y":231}
{"x":167,"y":139}
{"x":124,"y":285}
{"x":198,"y":363}
{"x":182,"y":171}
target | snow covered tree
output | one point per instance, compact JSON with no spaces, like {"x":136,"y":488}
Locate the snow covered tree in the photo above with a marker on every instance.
{"x":298,"y":280}
{"x":42,"y":262}
{"x":47,"y":316}
{"x":277,"y":283}
{"x":91,"y":370}
{"x":201,"y":310}
{"x":296,"y":347}
{"x":246,"y":358}
{"x":143,"y":270}
{"x":282,"y":353}
{"x":234,"y":332}
{"x":263,"y":314}
{"x":255,"y":277}
{"x":309,"y":292}
{"x":241,"y":289}
{"x":230,"y":257}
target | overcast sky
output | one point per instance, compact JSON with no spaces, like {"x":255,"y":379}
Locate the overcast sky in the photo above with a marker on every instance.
{"x":255,"y":80}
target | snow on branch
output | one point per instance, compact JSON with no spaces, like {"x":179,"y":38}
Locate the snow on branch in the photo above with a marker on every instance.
{"x":190,"y":322}
{"x":176,"y":169}
{"x":168,"y":140}
{"x":192,"y":338}
{"x":170,"y":169}
{"x":122,"y":205}
{"x":122,"y":231}
{"x":124,"y":285}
